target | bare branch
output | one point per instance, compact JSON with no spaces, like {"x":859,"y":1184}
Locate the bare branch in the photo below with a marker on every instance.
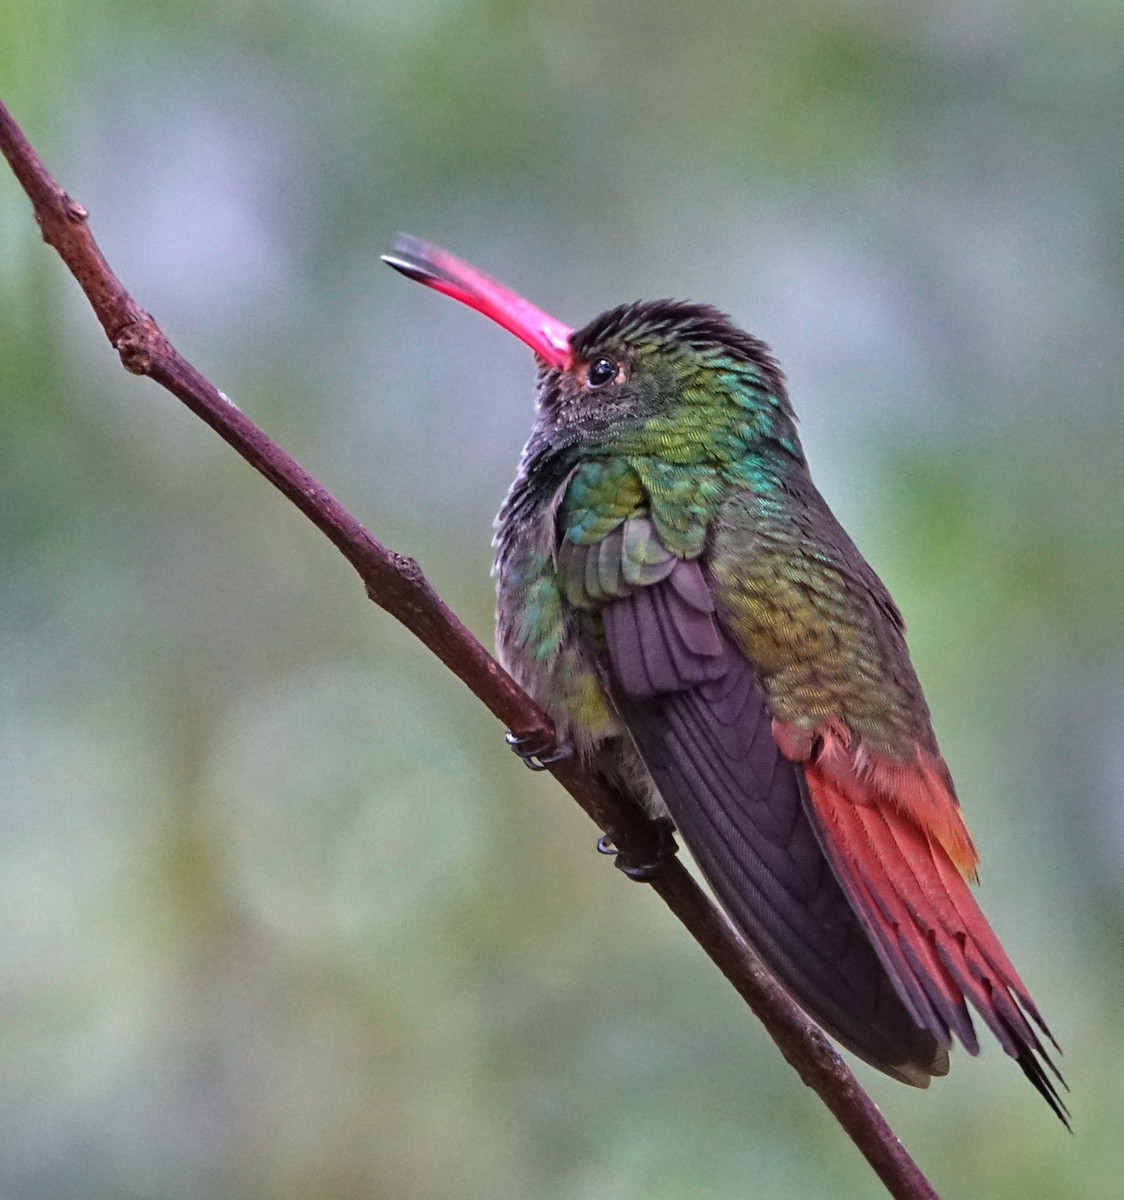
{"x":396,"y":584}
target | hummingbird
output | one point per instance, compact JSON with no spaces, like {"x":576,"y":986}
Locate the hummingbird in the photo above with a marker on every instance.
{"x":676,"y":594}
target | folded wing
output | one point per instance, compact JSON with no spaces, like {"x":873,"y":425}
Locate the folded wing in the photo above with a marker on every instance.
{"x":699,"y":721}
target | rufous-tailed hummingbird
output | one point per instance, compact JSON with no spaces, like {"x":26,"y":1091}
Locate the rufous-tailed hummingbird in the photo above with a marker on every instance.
{"x":678,"y":596}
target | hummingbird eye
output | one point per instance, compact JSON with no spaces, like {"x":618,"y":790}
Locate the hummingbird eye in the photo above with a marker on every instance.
{"x":601,"y":371}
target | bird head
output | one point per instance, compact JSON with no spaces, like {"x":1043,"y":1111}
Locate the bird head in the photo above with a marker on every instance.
{"x":663,"y":377}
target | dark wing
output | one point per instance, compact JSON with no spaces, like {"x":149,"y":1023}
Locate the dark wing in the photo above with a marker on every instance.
{"x":700,"y":724}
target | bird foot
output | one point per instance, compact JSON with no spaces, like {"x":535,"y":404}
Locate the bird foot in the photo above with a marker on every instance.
{"x":538,"y":753}
{"x":643,"y":872}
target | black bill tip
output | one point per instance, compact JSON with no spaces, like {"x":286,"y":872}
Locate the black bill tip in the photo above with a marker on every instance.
{"x":415,"y":259}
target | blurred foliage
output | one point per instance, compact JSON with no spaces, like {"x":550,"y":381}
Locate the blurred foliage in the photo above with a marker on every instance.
{"x":280,"y":915}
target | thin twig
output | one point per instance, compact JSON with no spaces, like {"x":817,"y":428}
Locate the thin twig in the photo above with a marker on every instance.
{"x":397,"y":584}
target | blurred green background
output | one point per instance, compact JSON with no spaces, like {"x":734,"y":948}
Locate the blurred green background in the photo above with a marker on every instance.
{"x":279,"y":914}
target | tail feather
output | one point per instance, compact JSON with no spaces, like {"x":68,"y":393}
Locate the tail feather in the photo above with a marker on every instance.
{"x":927,"y":928}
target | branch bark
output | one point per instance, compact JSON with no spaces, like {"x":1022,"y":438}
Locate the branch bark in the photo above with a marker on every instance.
{"x":396,"y":584}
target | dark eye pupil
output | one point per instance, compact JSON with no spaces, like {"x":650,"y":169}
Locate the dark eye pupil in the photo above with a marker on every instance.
{"x":602,"y":371}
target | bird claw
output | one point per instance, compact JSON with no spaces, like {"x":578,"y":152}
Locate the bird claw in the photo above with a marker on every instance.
{"x":537,"y":753}
{"x":643,"y":872}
